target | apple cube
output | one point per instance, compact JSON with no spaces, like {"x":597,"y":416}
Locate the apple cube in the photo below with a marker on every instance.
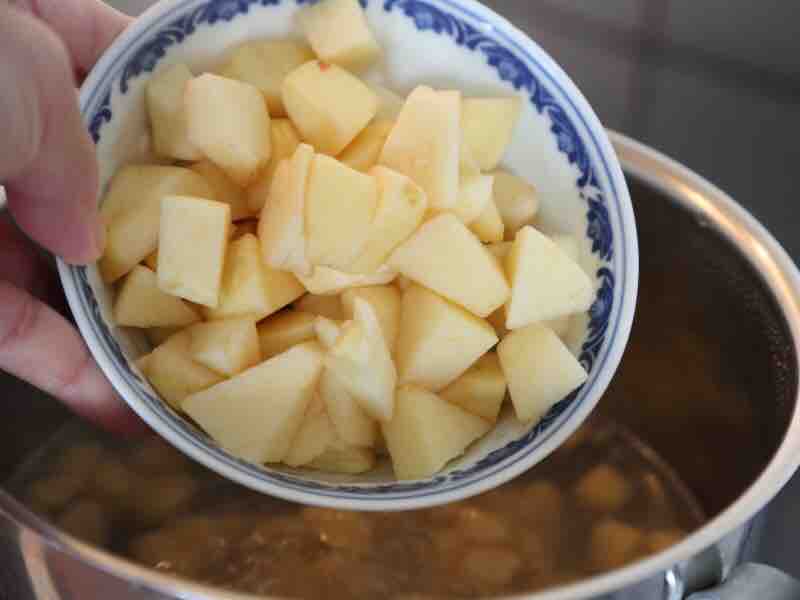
{"x":165,"y":107}
{"x":338,"y":32}
{"x":187,"y":268}
{"x":427,"y":432}
{"x":349,"y":420}
{"x":284,"y":141}
{"x":401,"y":208}
{"x":481,"y":390}
{"x":424,"y":144}
{"x":256,"y":414}
{"x":280,"y":332}
{"x":489,"y":225}
{"x":229,"y":122}
{"x":158,"y":335}
{"x":227,"y":347}
{"x":487,"y":125}
{"x":326,"y":281}
{"x":249,"y":287}
{"x":384,"y":300}
{"x":389,"y":103}
{"x":446,"y":257}
{"x":363,"y":152}
{"x":327,"y":331}
{"x":326,"y":306}
{"x":539,"y":369}
{"x":328,"y":105}
{"x":339,"y":457}
{"x":140,"y":303}
{"x":545,"y":282}
{"x":173,"y":372}
{"x":264,"y":64}
{"x":362,"y":362}
{"x":315,"y":434}
{"x":339,"y":209}
{"x":474,"y":195}
{"x":438,"y":340}
{"x":516,"y":201}
{"x":281,"y":229}
{"x":132,"y":211}
{"x":224,"y":189}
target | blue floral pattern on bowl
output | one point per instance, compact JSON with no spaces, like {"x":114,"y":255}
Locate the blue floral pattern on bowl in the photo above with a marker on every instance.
{"x":511,"y":65}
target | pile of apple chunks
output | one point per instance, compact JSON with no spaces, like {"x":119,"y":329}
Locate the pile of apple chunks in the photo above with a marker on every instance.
{"x":405,"y":253}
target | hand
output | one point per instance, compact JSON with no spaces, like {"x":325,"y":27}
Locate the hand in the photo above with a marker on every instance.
{"x":48,"y":166}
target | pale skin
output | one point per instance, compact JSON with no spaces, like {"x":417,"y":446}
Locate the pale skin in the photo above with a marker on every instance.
{"x":48,"y":166}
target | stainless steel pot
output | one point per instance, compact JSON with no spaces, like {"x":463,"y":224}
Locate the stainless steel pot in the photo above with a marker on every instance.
{"x":710,"y":381}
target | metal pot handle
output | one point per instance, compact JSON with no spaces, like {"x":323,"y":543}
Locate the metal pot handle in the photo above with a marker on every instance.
{"x":752,"y":581}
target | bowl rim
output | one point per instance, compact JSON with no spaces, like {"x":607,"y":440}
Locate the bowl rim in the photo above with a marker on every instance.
{"x":551,"y":437}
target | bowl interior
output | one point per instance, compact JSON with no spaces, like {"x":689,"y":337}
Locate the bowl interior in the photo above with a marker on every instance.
{"x":559,"y":146}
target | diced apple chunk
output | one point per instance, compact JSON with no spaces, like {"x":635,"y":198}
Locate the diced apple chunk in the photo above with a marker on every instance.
{"x":401,"y":207}
{"x":385,"y":301}
{"x":284,"y":141}
{"x":389,"y":103}
{"x":339,"y":209}
{"x":327,"y":306}
{"x":264,"y":64}
{"x":568,"y":245}
{"x":326,"y":281}
{"x":281,"y":229}
{"x":249,"y":287}
{"x":229,"y":122}
{"x":338,"y":32}
{"x":140,"y":303}
{"x":362,"y":362}
{"x":424,"y":144}
{"x":339,"y":457}
{"x":185,"y":268}
{"x":132,"y":211}
{"x":158,"y":335}
{"x":350,"y":421}
{"x":479,"y":391}
{"x":315,"y":434}
{"x":165,"y":107}
{"x":446,"y":257}
{"x":328,"y":105}
{"x":363,"y":152}
{"x":224,"y":189}
{"x":280,"y":332}
{"x":487,"y":125}
{"x":489,"y":225}
{"x":516,"y":201}
{"x":256,"y":414}
{"x":427,"y":432}
{"x":438,"y":341}
{"x":474,"y":195}
{"x":173,"y":372}
{"x":539,"y":370}
{"x":228,"y":347}
{"x":545,"y":282}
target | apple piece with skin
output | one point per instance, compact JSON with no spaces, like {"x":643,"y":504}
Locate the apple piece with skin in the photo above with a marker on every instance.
{"x":400,"y":210}
{"x":545,"y":282}
{"x":363,"y":152}
{"x":264,"y":64}
{"x":132,"y":211}
{"x":187,"y":269}
{"x":516,"y":201}
{"x":164,"y":97}
{"x":338,"y":32}
{"x":487,"y":125}
{"x":284,"y":140}
{"x":281,"y":229}
{"x":385,"y":301}
{"x":427,"y":432}
{"x":140,"y":303}
{"x":539,"y":369}
{"x":278,"y":333}
{"x":327,"y":281}
{"x":481,"y":389}
{"x":227,"y":347}
{"x":438,"y":340}
{"x":236,"y":140}
{"x":328,"y":105}
{"x":425,"y":144}
{"x":326,"y":306}
{"x":224,"y":189}
{"x":256,"y":414}
{"x":489,"y":225}
{"x":444,"y":256}
{"x":339,"y":208}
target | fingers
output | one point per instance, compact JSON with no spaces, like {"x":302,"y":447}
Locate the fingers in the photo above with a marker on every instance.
{"x":39,"y":346}
{"x":47,"y":159}
{"x":87,"y":27}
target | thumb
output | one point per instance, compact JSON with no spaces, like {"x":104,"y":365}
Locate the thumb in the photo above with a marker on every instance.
{"x":47,"y":160}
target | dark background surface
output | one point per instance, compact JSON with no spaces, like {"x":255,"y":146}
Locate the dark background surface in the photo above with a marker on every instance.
{"x":714,"y":84}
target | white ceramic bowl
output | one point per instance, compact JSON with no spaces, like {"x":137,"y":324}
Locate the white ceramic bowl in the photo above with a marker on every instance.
{"x":560,"y":146}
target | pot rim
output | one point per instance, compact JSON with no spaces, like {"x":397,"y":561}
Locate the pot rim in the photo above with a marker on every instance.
{"x":723,"y":214}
